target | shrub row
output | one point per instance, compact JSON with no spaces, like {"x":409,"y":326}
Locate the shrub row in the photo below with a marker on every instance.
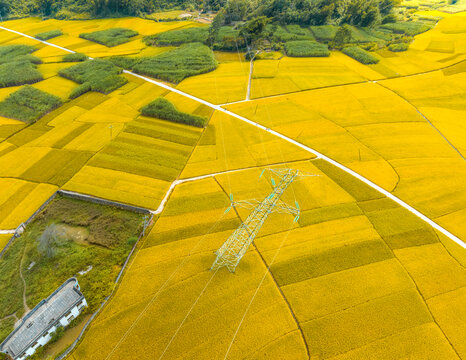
{"x":28,"y":104}
{"x":163,"y":109}
{"x":398,"y":47}
{"x":48,"y":34}
{"x":74,"y":57}
{"x":360,"y":55}
{"x":306,"y":48}
{"x":110,"y":37}
{"x":176,"y":65}
{"x":99,"y":75}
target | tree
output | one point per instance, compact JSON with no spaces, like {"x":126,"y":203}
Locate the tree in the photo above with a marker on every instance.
{"x":214,"y":27}
{"x":343,"y":36}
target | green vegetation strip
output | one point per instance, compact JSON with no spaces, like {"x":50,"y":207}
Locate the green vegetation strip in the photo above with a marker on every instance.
{"x":306,"y":48}
{"x":96,"y":75}
{"x":163,"y":109}
{"x":360,"y":55}
{"x":48,"y":34}
{"x":74,"y":57}
{"x":176,"y":65}
{"x":110,"y":37}
{"x":28,"y":104}
{"x":17,"y":65}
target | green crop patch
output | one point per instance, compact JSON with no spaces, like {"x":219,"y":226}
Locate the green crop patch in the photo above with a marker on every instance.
{"x":28,"y":104}
{"x":57,"y":167}
{"x":178,"y":37}
{"x":176,"y":65}
{"x":361,"y":55}
{"x":306,"y":48}
{"x":316,"y":216}
{"x":353,"y":186}
{"x":330,"y":261}
{"x":48,"y":34}
{"x":74,"y":57}
{"x":17,"y":65}
{"x":163,"y":109}
{"x":191,"y":231}
{"x":409,"y":28}
{"x":324,"y":32}
{"x":110,"y":37}
{"x":96,"y":75}
{"x":398,"y":47}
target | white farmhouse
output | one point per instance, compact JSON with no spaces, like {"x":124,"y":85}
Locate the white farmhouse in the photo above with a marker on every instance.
{"x":37,"y":327}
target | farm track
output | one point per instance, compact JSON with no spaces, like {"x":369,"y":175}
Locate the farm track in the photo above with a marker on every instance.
{"x":405,"y":205}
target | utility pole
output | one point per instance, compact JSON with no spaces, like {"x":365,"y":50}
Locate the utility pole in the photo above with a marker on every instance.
{"x":234,"y":248}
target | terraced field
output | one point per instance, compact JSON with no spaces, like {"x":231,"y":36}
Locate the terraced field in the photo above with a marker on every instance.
{"x":359,"y":276}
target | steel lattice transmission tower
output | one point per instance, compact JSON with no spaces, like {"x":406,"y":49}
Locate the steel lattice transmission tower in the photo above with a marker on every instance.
{"x":234,"y":248}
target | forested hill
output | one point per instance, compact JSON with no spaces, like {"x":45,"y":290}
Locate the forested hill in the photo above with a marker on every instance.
{"x":306,"y":12}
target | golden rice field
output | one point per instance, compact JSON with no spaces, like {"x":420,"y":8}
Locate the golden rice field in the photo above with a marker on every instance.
{"x":356,"y":277}
{"x":324,"y":295}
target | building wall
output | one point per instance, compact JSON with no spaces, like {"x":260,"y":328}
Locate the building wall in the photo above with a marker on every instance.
{"x":64,"y":321}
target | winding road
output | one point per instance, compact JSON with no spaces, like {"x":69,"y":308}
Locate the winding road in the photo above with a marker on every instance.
{"x":276,"y":133}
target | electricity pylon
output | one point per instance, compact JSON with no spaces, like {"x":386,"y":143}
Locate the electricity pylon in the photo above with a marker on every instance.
{"x":234,"y":248}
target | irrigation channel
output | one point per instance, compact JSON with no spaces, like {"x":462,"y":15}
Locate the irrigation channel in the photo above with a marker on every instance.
{"x":408,"y":207}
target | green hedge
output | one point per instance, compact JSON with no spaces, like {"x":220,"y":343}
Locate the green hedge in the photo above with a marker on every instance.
{"x":178,"y":64}
{"x":408,"y":28}
{"x":100,"y":75}
{"x":110,"y":37}
{"x":398,"y":47}
{"x":360,"y":55}
{"x":48,"y":34}
{"x":163,"y":109}
{"x":74,"y":57}
{"x":301,"y":48}
{"x":28,"y":104}
{"x":178,"y":37}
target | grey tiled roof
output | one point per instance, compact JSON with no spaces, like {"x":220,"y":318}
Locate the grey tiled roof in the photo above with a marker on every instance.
{"x":42,"y":317}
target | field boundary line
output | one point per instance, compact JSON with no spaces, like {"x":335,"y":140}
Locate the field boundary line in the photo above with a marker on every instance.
{"x":286,"y":138}
{"x":424,"y":117}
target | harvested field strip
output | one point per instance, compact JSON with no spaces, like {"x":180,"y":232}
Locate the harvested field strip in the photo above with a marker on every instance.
{"x":134,"y":167}
{"x":56,"y":167}
{"x":350,"y":184}
{"x":330,"y":261}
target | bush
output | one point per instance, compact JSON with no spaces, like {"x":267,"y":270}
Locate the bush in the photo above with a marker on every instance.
{"x":163,"y":109}
{"x":48,"y":34}
{"x":178,"y":37}
{"x":306,"y":48}
{"x":409,"y":28}
{"x":360,"y":55}
{"x":110,"y":37}
{"x":176,"y":65}
{"x":228,"y":39}
{"x":99,"y":75}
{"x":28,"y":104}
{"x":74,"y":57}
{"x":398,"y":47}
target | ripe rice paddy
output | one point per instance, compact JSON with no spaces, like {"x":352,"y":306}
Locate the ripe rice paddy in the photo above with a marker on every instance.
{"x":356,"y":277}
